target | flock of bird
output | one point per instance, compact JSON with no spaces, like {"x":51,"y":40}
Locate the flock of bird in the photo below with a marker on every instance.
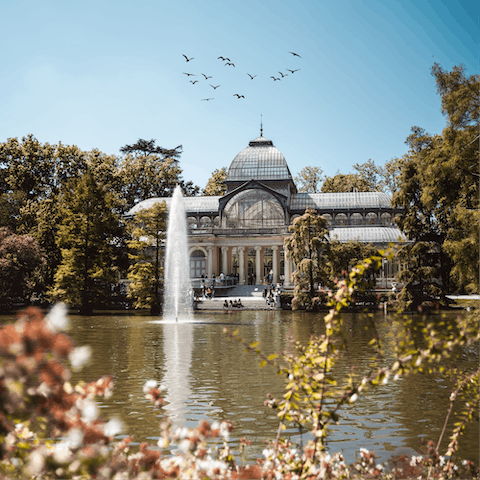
{"x":229,"y":63}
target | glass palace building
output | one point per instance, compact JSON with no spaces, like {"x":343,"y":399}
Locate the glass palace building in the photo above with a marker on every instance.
{"x":242,"y":233}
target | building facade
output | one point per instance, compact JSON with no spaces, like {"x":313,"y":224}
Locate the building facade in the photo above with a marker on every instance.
{"x":242,"y":233}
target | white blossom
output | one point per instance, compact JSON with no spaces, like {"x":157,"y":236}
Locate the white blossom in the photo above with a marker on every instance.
{"x":353,"y":398}
{"x":149,"y":384}
{"x":79,"y":357}
{"x":57,"y":317}
{"x":113,"y":427}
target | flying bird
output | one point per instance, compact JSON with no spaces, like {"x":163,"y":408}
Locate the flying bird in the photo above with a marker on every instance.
{"x":238,"y":96}
{"x":295,"y":54}
{"x":275,"y":79}
{"x":187,"y":59}
{"x":189,"y":74}
{"x":293,"y":71}
{"x":283,"y":74}
{"x":251,"y":76}
{"x":230,"y":63}
{"x":221,"y":58}
{"x":213,"y":86}
{"x":207,"y":99}
{"x":206,"y":78}
{"x":193,"y":81}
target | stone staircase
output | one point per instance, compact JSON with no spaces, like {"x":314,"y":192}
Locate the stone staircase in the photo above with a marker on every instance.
{"x":250,"y":296}
{"x":245,"y":291}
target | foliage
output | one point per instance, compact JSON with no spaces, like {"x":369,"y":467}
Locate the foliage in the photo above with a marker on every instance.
{"x":215,"y":184}
{"x":50,"y":428}
{"x":22,"y":264}
{"x":420,"y":275}
{"x":342,"y":257}
{"x":148,"y":147}
{"x":314,"y":396}
{"x":346,"y":183}
{"x":86,"y":236}
{"x":27,"y":166}
{"x":307,"y":247}
{"x":309,"y":179}
{"x":145,"y":273}
{"x":148,"y":171}
{"x":439,"y":183}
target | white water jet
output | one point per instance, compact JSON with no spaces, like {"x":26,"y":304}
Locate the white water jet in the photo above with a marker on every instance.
{"x":178,"y":290}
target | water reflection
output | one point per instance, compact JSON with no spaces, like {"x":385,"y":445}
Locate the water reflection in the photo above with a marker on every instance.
{"x":208,"y":377}
{"x":177,"y":348}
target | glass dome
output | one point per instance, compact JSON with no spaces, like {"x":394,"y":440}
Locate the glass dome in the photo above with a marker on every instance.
{"x":259,"y":161}
{"x":253,"y":208}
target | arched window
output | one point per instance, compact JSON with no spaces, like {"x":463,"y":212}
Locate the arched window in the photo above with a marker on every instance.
{"x":205,"y":222}
{"x":197,"y":264}
{"x":192,"y":222}
{"x":253,"y":208}
{"x":356,"y":219}
{"x":340,"y":219}
{"x":371,"y":218}
{"x":386,"y":218}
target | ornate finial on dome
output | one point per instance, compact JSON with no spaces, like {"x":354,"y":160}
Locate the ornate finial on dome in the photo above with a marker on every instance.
{"x":261,"y":126}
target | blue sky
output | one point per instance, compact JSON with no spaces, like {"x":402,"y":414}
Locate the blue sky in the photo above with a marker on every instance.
{"x":101,"y":74}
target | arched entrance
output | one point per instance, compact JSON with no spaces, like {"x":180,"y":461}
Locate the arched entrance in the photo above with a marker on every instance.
{"x":198,"y":264}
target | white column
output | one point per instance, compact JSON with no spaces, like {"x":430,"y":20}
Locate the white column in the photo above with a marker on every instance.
{"x":275,"y":264}
{"x":241,"y":265}
{"x":225,"y":260}
{"x":288,"y":272}
{"x":210,"y":262}
{"x":258,"y":266}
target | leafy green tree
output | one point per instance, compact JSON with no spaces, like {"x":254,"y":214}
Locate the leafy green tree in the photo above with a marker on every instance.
{"x":215,"y":184}
{"x":87,"y":235}
{"x":390,"y":175}
{"x":309,"y":179}
{"x":145,"y":273}
{"x":22,"y":264}
{"x":307,"y":247}
{"x":370,"y":173}
{"x":420,"y":275}
{"x":27,"y":166}
{"x":346,"y":183}
{"x":148,"y":171}
{"x":342,"y":256}
{"x":147,"y":147}
{"x":439,"y":182}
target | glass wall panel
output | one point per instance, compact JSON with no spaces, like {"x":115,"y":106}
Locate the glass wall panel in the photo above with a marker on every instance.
{"x":253,"y":209}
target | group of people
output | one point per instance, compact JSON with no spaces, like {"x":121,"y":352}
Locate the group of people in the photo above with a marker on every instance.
{"x":233,"y":304}
{"x":270,"y":292}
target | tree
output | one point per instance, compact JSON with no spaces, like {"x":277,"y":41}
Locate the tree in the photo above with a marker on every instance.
{"x":307,"y":246}
{"x":22,"y":264}
{"x":390,"y":175}
{"x":27,"y":166}
{"x":341,"y":257}
{"x":86,"y":235}
{"x":439,"y":182}
{"x":145,"y":273}
{"x":215,"y":184}
{"x":147,"y":147}
{"x":309,"y":179}
{"x":346,"y":183}
{"x":370,"y":173}
{"x":148,"y":171}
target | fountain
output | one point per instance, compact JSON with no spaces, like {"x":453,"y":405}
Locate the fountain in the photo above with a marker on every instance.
{"x":178,"y":291}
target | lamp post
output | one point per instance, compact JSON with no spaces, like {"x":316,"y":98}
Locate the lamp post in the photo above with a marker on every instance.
{"x":384,"y":263}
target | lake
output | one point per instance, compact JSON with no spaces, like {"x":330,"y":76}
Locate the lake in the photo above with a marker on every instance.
{"x":209,"y":377}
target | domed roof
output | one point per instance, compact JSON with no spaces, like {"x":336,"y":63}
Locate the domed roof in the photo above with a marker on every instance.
{"x":261,"y":160}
